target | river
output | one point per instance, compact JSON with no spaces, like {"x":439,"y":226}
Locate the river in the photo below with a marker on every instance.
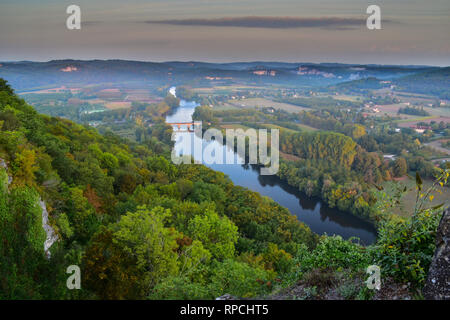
{"x":313,"y":212}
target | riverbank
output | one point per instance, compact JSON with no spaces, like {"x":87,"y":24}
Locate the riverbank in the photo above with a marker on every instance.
{"x":314,"y":212}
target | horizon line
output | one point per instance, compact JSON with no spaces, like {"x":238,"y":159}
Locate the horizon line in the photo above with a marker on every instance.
{"x":228,"y":62}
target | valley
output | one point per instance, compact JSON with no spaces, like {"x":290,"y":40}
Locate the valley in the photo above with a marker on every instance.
{"x":92,"y":140}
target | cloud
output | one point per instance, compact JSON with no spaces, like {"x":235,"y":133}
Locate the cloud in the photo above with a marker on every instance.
{"x":269,"y":22}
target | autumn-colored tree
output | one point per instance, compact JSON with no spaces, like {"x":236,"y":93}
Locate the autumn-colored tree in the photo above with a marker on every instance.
{"x":81,"y":214}
{"x":107,"y":271}
{"x":93,"y":199}
{"x":400,"y":167}
{"x":150,"y":251}
{"x":358,"y":131}
{"x":24,"y":166}
{"x":276,"y":259}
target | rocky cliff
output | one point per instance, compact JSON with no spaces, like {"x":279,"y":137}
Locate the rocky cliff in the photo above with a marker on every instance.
{"x":437,"y":286}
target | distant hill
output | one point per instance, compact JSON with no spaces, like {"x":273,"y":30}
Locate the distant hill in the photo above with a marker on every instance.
{"x":27,"y":75}
{"x":435,"y":82}
{"x":357,"y":86}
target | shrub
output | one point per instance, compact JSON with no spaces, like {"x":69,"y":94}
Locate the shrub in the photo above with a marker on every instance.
{"x":239,"y":279}
{"x":406,"y":248}
{"x":333,"y":253}
{"x":179,"y":288}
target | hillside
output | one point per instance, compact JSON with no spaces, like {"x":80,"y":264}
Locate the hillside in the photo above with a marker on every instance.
{"x":434,"y":82}
{"x":136,"y":224}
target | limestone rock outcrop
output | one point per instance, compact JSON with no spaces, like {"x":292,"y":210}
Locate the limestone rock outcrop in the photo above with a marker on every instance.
{"x":437,"y":286}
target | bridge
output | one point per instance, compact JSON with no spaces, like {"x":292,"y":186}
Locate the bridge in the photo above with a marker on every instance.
{"x":190,"y":126}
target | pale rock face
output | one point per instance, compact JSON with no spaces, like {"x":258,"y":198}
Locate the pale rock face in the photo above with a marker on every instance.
{"x":52,"y":237}
{"x":5,"y":166}
{"x":437,"y":286}
{"x":227,"y":297}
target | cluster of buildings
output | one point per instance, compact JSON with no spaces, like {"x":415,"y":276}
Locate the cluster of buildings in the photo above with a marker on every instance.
{"x":218,"y":78}
{"x":314,"y":72}
{"x":271,"y":73}
{"x":69,"y":69}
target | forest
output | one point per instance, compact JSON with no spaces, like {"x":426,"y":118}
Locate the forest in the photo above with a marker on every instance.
{"x":413,"y":111}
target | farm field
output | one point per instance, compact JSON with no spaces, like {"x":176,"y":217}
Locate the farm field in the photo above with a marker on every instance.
{"x":137,"y":94}
{"x":273,"y":126}
{"x":392,"y":110}
{"x":50,"y":90}
{"x":346,"y":97}
{"x":100,"y":96}
{"x":442,"y":112}
{"x":224,"y":107}
{"x":409,"y":198}
{"x":234,"y":126}
{"x":437,"y":144}
{"x":224,"y":89}
{"x":414,"y":121}
{"x":414,"y":98}
{"x":266,"y":103}
{"x":305,"y":127}
{"x":118,"y":105}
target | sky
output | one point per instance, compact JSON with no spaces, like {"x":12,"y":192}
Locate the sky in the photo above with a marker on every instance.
{"x":413,"y":31}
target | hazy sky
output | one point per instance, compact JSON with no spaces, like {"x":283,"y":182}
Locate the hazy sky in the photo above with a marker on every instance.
{"x":414,"y":31}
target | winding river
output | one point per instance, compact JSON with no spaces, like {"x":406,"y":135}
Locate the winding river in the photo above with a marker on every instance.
{"x":313,"y":212}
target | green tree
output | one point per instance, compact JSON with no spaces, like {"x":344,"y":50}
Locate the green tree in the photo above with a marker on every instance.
{"x":81,"y":215}
{"x":238,"y":279}
{"x":400,"y":167}
{"x":218,"y":234}
{"x":24,"y":167}
{"x":149,"y":249}
{"x":180,"y":288}
{"x":172,"y":101}
{"x":22,"y":257}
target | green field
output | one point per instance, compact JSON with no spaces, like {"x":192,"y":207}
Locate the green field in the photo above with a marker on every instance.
{"x":224,"y":107}
{"x":405,"y":209}
{"x":273,"y":126}
{"x":415,"y":119}
{"x":266,"y":103}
